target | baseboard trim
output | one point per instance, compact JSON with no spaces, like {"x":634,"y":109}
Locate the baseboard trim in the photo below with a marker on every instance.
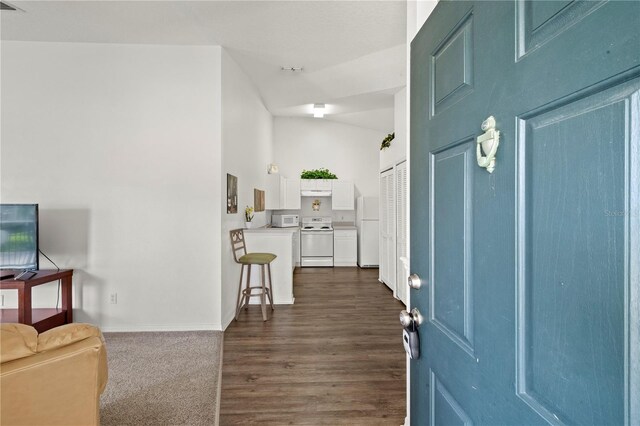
{"x":167,"y":327}
{"x":228,"y":319}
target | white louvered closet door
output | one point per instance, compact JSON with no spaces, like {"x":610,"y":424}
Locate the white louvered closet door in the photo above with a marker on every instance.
{"x":402,"y":263}
{"x":387,"y":229}
{"x":383,"y":228}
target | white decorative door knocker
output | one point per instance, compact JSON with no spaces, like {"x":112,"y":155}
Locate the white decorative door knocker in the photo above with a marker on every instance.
{"x":488,"y":144}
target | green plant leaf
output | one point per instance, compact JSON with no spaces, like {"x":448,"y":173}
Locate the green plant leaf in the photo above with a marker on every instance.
{"x":317,"y":174}
{"x":386,"y":142}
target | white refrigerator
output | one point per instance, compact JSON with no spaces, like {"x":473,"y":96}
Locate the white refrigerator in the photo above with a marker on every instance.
{"x":368,"y":230}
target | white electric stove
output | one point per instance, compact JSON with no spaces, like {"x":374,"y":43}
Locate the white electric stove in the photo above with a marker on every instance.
{"x":316,"y":242}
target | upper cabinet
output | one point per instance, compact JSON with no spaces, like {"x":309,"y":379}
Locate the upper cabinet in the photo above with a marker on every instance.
{"x":315,"y":184}
{"x":342,"y":195}
{"x":272,"y":192}
{"x":290,"y":194}
{"x":282,"y":193}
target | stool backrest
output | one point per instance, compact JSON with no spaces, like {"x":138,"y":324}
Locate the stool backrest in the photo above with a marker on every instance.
{"x":237,"y":243}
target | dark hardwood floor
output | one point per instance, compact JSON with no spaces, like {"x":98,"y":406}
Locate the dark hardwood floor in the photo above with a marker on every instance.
{"x":334,"y":357}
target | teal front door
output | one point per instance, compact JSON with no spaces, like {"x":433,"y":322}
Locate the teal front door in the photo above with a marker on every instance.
{"x":531,"y":274}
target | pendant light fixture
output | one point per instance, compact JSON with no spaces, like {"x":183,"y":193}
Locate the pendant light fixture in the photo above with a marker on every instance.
{"x":318,"y":110}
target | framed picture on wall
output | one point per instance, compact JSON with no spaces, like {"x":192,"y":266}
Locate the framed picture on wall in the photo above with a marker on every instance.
{"x":232,"y":194}
{"x":258,"y":200}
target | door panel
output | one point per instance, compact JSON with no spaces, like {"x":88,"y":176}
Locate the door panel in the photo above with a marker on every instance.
{"x":566,"y":204}
{"x":538,"y":13}
{"x":540,"y":21}
{"x":446,"y":410}
{"x":452,"y":67}
{"x":533,"y":271}
{"x":451,"y":301}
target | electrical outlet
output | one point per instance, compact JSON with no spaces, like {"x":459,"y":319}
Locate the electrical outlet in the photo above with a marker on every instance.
{"x":113,"y":298}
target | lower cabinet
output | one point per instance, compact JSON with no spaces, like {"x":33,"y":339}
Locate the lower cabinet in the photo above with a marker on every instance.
{"x":296,"y":248}
{"x":345,"y":247}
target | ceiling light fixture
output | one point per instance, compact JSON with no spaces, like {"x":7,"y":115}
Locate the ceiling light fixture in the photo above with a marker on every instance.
{"x":292,"y":69}
{"x":318,"y":110}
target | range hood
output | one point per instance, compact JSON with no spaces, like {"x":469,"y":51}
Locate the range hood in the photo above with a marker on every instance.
{"x":315,"y":193}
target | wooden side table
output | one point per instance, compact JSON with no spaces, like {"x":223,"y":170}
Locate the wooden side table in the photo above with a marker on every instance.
{"x":41,"y":318}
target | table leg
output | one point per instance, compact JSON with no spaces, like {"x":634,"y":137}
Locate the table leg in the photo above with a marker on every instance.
{"x":24,"y":306}
{"x":67,"y":302}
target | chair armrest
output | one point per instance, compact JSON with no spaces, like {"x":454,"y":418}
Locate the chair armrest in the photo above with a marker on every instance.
{"x":66,"y":335}
{"x":55,"y":387}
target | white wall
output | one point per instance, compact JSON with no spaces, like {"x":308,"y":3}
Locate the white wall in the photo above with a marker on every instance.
{"x":350,"y":152}
{"x":417,"y":14}
{"x":121,"y":147}
{"x":397,"y":152}
{"x":247,"y":134}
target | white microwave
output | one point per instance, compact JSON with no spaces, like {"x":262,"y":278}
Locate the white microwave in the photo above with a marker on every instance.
{"x":284,"y":220}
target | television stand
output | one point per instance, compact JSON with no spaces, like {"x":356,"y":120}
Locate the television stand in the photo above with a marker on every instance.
{"x":41,"y":319}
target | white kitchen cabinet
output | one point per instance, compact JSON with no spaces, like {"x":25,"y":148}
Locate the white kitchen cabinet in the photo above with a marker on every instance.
{"x":315,"y":184}
{"x":296,"y":248}
{"x":272,"y":193}
{"x":345,"y":247}
{"x":342,"y":195}
{"x":282,"y":193}
{"x":290,"y":194}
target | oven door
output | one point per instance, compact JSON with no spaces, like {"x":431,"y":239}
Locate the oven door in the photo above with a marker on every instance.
{"x":316,"y":244}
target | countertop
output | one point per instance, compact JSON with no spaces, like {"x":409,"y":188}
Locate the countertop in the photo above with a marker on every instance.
{"x":339,"y":226}
{"x":269,"y":230}
{"x":343,"y":226}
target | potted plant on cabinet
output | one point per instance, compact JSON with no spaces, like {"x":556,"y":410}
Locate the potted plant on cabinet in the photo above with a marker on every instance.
{"x":317,"y":174}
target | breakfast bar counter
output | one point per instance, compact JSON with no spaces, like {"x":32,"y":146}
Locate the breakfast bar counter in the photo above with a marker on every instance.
{"x":284,"y":243}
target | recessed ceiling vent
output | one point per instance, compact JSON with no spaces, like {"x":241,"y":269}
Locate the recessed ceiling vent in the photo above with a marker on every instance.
{"x":7,"y":6}
{"x":292,"y":69}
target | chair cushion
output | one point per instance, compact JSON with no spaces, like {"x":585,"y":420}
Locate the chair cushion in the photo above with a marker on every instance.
{"x":17,"y":341}
{"x":66,"y":335}
{"x":257,"y":258}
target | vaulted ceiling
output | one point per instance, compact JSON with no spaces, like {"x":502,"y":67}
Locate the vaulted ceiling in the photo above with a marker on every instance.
{"x":353,"y":52}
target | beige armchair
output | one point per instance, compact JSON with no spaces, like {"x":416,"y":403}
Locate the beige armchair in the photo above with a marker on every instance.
{"x":54,"y":378}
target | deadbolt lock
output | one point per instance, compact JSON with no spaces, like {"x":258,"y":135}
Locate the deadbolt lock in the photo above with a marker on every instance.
{"x":414,"y":281}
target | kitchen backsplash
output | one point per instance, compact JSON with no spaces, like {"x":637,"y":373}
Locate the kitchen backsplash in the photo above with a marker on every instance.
{"x":325,"y":210}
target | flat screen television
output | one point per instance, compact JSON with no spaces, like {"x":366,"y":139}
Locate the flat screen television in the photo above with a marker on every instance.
{"x":19,"y":237}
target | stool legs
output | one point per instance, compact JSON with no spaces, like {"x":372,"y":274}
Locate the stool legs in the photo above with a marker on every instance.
{"x":244,"y":295}
{"x":240,"y":294}
{"x":247,"y":289}
{"x":270,"y":286}
{"x":263,"y":302}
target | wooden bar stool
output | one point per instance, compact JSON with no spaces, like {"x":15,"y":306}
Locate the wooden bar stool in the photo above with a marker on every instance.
{"x":249,"y":259}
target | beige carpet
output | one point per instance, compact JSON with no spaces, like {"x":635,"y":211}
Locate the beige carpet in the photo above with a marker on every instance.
{"x":162,"y":378}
